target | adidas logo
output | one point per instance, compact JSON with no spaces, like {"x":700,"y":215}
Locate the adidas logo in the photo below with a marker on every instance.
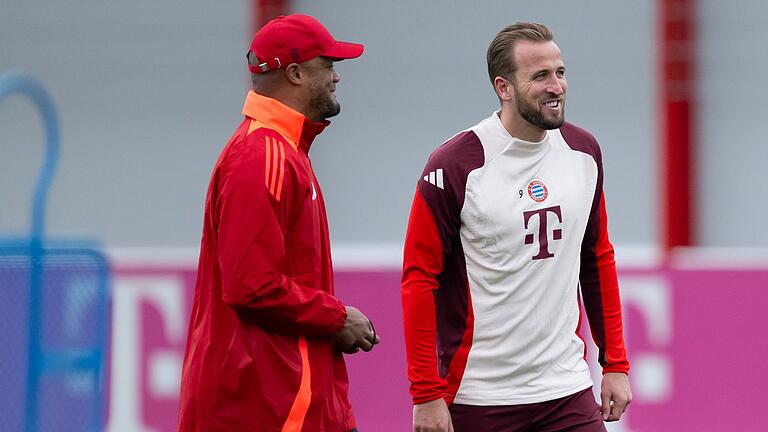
{"x":435,"y":177}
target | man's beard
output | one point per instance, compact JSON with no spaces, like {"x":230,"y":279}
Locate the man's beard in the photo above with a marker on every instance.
{"x":535,"y":117}
{"x":321,"y":104}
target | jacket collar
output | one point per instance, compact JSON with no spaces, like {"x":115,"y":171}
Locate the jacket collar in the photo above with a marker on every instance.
{"x":299,"y":130}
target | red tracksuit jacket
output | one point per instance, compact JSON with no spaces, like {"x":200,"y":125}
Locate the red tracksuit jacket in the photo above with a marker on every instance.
{"x":260,"y":354}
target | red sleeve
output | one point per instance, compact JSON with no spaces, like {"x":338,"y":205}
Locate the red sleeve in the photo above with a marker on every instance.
{"x":600,"y":288}
{"x":614,"y":358}
{"x":437,"y":308}
{"x":252,"y":222}
{"x":422,"y":263}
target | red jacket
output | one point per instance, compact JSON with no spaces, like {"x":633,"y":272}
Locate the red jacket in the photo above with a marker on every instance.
{"x":260,"y":354}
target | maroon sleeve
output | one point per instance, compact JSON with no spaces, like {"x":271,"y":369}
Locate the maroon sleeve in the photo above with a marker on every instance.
{"x":252,"y":257}
{"x":422,"y":263}
{"x":598,"y":279}
{"x":437,"y":312}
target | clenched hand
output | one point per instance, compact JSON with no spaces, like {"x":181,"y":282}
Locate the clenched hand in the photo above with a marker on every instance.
{"x":357,"y":333}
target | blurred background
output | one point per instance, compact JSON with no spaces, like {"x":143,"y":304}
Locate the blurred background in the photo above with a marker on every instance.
{"x":148,"y":93}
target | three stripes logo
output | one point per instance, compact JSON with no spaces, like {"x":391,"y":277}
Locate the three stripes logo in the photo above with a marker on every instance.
{"x":435,"y":178}
{"x":275,"y":170}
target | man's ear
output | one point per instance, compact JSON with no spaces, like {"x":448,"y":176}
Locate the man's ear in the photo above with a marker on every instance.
{"x":504,"y":88}
{"x":294,"y":74}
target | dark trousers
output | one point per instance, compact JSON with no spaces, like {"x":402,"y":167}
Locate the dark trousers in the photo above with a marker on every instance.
{"x":575,"y":413}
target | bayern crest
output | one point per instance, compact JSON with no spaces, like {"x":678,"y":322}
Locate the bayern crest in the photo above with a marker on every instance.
{"x":537,"y":190}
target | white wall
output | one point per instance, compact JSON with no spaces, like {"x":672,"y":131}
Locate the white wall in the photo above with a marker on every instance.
{"x":149,"y":92}
{"x":732,"y":106}
{"x":423,"y":78}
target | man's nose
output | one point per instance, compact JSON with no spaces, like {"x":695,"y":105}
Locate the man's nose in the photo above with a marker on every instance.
{"x":556,"y":87}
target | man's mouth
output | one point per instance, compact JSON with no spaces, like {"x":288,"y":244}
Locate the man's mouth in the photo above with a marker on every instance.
{"x":554,"y":103}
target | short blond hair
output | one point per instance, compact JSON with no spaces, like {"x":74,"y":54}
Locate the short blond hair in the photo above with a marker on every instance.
{"x":500,"y":60}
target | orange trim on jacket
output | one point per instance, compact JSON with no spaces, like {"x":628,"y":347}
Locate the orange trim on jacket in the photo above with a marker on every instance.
{"x":275,"y":115}
{"x":260,"y":353}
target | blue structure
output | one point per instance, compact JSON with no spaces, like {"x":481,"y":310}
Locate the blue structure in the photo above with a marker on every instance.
{"x":59,"y":289}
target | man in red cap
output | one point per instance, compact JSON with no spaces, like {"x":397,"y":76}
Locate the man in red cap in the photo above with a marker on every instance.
{"x":266,"y":335}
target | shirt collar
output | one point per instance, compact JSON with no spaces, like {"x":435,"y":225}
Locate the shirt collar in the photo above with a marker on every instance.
{"x":288,"y":122}
{"x":504,"y":134}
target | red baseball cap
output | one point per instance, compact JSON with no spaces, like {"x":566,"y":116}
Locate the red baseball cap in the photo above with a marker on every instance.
{"x":296,"y":39}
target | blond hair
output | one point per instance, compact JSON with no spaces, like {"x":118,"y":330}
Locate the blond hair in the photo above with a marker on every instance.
{"x":500,"y":59}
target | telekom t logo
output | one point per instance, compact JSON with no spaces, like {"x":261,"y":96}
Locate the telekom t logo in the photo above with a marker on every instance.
{"x":557,"y":234}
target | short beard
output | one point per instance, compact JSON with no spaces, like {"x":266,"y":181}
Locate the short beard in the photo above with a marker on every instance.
{"x":534,"y":116}
{"x":321,"y":104}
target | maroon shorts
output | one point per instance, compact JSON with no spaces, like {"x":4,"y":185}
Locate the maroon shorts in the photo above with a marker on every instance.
{"x":575,"y":413}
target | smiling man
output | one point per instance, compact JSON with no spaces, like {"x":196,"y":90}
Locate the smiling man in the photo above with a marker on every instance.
{"x":507,"y":235}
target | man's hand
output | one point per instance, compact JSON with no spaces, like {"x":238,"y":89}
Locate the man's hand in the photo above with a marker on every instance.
{"x":357,"y":333}
{"x":615,"y":395}
{"x":432,"y":416}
